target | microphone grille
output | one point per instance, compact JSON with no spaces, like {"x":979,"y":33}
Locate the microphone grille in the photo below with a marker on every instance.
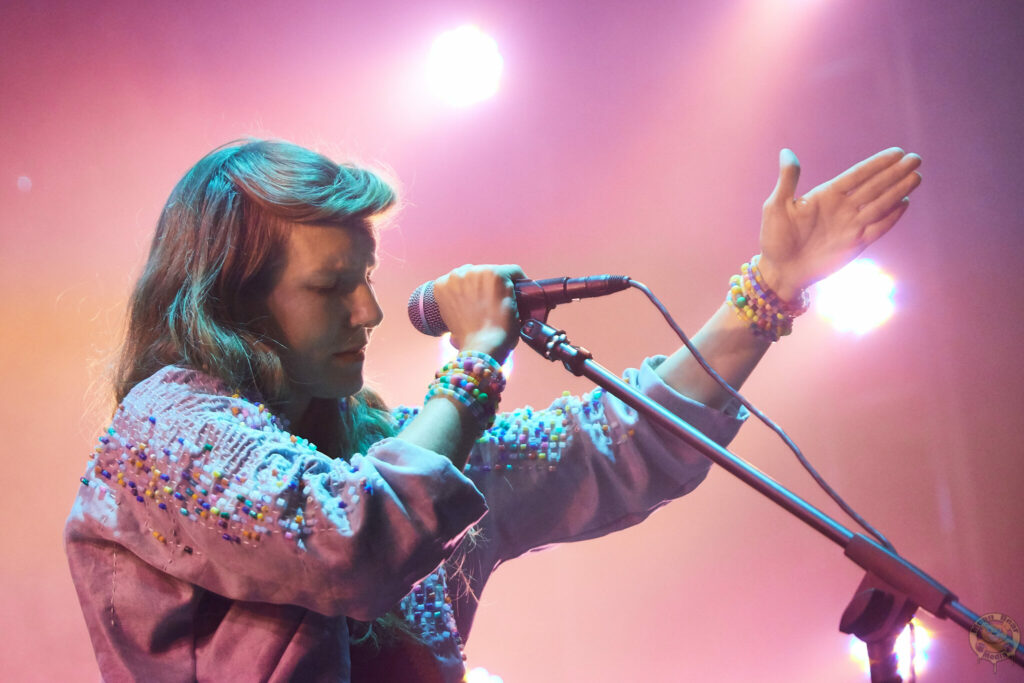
{"x":424,"y":313}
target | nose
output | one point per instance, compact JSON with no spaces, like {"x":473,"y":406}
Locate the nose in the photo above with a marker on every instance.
{"x":365,"y":311}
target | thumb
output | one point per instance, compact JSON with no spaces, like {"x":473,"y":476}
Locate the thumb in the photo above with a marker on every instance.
{"x":789,"y":174}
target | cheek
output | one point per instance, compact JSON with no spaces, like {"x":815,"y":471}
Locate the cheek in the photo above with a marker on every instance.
{"x":303,"y":325}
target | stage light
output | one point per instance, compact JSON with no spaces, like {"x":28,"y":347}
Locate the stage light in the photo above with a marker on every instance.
{"x":857,"y":298}
{"x":921,"y":645}
{"x":482,"y":675}
{"x":464,"y":66}
{"x":449,"y":352}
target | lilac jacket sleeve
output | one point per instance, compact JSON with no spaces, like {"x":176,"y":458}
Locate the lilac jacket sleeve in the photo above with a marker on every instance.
{"x":206,"y":488}
{"x":588,"y":466}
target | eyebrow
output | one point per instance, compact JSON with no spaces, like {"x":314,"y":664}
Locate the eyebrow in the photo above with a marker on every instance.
{"x":371,"y":264}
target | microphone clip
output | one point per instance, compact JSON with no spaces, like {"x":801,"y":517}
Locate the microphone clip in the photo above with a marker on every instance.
{"x":554,"y":345}
{"x":536,"y":300}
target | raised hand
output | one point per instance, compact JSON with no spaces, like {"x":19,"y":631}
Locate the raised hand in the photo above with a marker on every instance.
{"x":805,"y":239}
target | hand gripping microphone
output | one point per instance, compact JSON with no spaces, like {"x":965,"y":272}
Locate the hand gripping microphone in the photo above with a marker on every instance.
{"x":534,"y":298}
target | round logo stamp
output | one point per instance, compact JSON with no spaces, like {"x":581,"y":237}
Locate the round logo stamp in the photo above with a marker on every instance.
{"x":989,"y":646}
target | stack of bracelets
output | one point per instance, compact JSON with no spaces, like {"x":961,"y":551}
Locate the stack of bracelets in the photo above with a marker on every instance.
{"x":474,"y":380}
{"x":769,"y":316}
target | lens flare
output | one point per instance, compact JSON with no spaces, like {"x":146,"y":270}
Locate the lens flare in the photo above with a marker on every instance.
{"x":922,"y":641}
{"x":464,"y":66}
{"x":857,"y":298}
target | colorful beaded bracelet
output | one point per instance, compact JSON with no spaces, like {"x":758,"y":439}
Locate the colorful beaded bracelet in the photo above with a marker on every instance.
{"x":474,"y":380}
{"x":477,"y":365}
{"x":480,"y":408}
{"x":476,"y":409}
{"x":767,"y":314}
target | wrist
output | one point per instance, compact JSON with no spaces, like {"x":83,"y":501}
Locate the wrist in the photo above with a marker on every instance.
{"x":775,"y":279}
{"x":495,"y":343}
{"x":474,"y":381}
{"x":758,"y":304}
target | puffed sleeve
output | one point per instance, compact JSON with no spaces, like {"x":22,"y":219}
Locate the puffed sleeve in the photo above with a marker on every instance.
{"x":209,"y":489}
{"x":588,"y":466}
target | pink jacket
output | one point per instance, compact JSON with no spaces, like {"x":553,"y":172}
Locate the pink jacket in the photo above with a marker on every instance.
{"x":207,"y":543}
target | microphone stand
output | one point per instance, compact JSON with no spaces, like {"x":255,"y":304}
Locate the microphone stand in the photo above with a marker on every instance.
{"x":892,"y":588}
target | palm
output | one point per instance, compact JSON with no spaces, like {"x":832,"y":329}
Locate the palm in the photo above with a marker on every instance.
{"x":807,"y":238}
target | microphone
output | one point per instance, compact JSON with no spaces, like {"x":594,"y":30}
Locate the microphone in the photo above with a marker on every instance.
{"x":534,"y":298}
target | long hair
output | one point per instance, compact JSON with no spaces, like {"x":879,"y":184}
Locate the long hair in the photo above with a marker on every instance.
{"x":217,"y":249}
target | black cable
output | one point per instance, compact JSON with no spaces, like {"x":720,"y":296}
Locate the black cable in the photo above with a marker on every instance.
{"x":763,"y":418}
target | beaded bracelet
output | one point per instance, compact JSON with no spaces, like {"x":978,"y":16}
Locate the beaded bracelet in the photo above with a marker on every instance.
{"x":768,"y":315}
{"x":473,"y":380}
{"x":482,"y":407}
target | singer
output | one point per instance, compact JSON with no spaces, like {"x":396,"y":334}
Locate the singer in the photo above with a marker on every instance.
{"x":254,"y":512}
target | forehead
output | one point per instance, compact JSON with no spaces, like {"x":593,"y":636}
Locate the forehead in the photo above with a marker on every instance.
{"x":327,"y":247}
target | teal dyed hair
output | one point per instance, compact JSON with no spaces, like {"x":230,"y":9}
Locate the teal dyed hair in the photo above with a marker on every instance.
{"x":215,"y":255}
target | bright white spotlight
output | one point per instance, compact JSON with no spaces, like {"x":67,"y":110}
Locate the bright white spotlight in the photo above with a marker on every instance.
{"x":482,"y":675}
{"x":464,"y":66}
{"x":857,"y":298}
{"x":922,"y":643}
{"x":447,"y":353}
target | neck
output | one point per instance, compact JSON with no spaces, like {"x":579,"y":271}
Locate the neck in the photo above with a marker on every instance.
{"x":319,"y":424}
{"x":296,"y":408}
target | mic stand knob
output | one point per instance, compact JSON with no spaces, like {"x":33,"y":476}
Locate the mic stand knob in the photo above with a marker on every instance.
{"x":877,"y":615}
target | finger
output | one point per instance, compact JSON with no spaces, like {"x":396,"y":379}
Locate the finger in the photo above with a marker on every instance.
{"x":511,"y":271}
{"x":789,"y":175}
{"x":857,"y":174}
{"x":454,"y":274}
{"x":883,"y":181}
{"x":879,"y":228}
{"x":880,"y":207}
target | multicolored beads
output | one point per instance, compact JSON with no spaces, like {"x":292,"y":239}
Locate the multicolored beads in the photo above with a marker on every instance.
{"x":527,"y":438}
{"x":473,"y":380}
{"x":428,"y":609}
{"x":768,"y":315}
{"x":183,"y":477}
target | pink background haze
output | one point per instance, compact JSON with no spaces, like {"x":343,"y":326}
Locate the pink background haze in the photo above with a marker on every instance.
{"x":638,"y":138}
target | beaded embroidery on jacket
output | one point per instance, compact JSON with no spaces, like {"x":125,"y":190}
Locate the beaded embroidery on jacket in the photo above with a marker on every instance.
{"x":177,"y":475}
{"x":172,"y":474}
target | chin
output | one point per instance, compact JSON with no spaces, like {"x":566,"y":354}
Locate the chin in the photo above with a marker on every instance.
{"x":341,"y":389}
{"x":326,"y":381}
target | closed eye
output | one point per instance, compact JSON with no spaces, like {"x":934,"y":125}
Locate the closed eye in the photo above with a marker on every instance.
{"x":342,"y":287}
{"x":323,"y":289}
{"x":347,"y":282}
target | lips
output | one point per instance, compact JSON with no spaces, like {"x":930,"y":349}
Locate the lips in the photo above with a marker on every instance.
{"x":353,"y":351}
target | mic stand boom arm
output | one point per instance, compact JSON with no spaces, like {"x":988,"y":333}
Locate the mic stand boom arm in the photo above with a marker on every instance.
{"x":892,"y":589}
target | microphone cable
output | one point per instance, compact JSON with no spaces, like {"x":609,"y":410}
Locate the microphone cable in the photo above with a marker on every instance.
{"x":754,"y":410}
